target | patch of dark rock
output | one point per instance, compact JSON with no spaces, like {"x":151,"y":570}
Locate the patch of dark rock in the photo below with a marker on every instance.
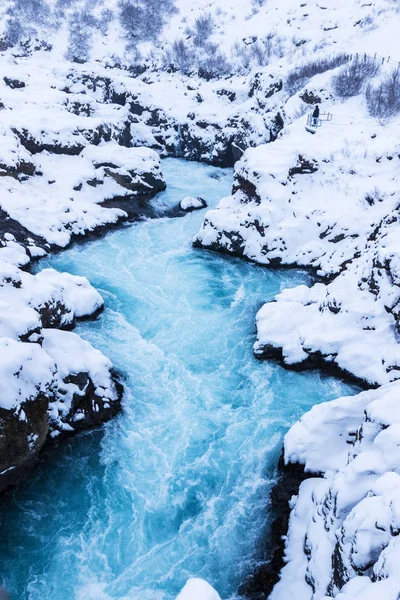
{"x":21,"y":234}
{"x":303,"y":166}
{"x":310,"y":97}
{"x":35,"y":146}
{"x":79,"y":108}
{"x":228,"y":94}
{"x":315,"y":361}
{"x":23,"y":169}
{"x":269,"y":557}
{"x":337,"y":238}
{"x":14,"y":84}
{"x":22,"y":437}
{"x":94,"y":182}
{"x":95,"y":410}
{"x":246,"y":187}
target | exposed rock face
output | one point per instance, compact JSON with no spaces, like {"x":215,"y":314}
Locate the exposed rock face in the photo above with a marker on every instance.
{"x":259,"y":584}
{"x":134,"y":170}
{"x":23,"y":433}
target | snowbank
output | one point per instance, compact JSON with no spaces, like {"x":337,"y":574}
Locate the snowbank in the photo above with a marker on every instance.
{"x":328,"y":202}
{"x":348,"y":521}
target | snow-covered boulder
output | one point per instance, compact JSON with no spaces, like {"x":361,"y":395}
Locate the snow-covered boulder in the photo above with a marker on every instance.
{"x":198,"y":589}
{"x":136,"y":169}
{"x":87,"y":392}
{"x":191,"y":203}
{"x":27,"y":382}
{"x":344,"y":525}
{"x":15,"y":160}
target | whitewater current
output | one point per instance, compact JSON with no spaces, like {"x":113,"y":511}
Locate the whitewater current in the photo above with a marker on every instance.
{"x":178,"y":484}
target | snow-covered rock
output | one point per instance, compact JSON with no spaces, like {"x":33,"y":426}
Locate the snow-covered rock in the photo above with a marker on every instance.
{"x":198,"y":589}
{"x":191,"y":203}
{"x":87,"y":393}
{"x":136,"y":169}
{"x":27,"y":384}
{"x":52,"y":382}
{"x":343,"y":531}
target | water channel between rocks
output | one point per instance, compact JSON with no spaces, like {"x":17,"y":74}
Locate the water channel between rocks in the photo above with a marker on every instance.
{"x":178,"y":485}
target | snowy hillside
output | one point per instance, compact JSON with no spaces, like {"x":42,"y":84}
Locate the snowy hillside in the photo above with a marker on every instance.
{"x":92,"y":94}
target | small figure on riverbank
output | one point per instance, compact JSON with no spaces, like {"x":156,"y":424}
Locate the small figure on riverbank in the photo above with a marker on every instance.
{"x":316,"y":114}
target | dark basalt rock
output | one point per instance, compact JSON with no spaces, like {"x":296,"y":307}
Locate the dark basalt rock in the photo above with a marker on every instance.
{"x":54,"y":314}
{"x":228,"y":94}
{"x":269,"y":559}
{"x":34,"y":146}
{"x":23,"y":434}
{"x":88,"y":409}
{"x":315,"y":361}
{"x":20,"y":233}
{"x":303,"y":166}
{"x":248,"y":188}
{"x":14,"y":83}
{"x":148,"y":184}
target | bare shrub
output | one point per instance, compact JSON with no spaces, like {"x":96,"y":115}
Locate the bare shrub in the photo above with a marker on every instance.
{"x":182,"y":57}
{"x":383,"y":101}
{"x":351,"y":78}
{"x":299,"y":76}
{"x":81,"y":25}
{"x":143,"y":19}
{"x":213,"y":64}
{"x":203,"y":28}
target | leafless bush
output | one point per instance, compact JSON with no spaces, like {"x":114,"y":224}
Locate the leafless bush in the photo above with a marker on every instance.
{"x":203,"y":28}
{"x":351,"y":78}
{"x":257,"y":53}
{"x":383,"y":101}
{"x":299,"y":76}
{"x":213,"y":64}
{"x":180,"y":57}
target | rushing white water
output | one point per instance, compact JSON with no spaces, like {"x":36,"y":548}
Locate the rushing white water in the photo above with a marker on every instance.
{"x":178,"y":485}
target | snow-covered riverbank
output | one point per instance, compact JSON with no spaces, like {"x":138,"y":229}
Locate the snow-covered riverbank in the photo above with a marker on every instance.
{"x":53,"y":382}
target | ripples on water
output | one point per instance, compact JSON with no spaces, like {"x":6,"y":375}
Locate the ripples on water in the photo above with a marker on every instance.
{"x":177,"y":485}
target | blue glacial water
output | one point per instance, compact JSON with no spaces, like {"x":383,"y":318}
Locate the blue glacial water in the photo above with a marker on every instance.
{"x":177,"y":486}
